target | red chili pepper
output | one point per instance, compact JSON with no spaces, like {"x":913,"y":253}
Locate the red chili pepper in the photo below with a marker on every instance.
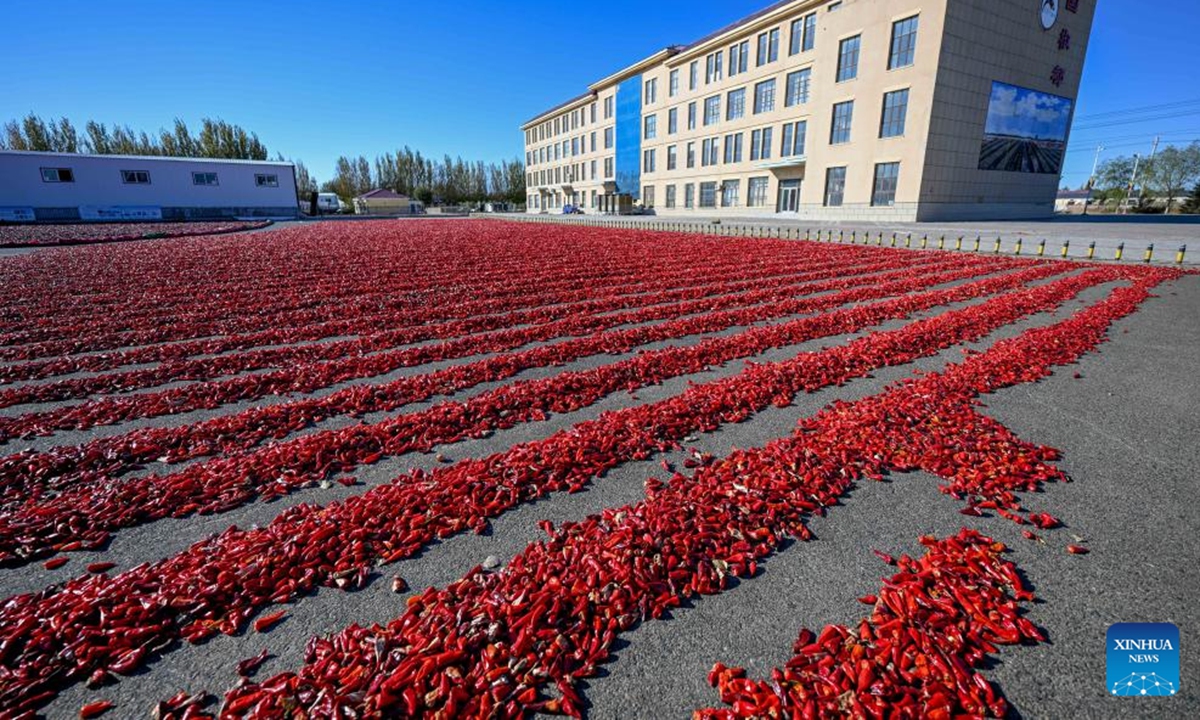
{"x":1077,"y":550}
{"x":266,"y":622}
{"x":95,"y":709}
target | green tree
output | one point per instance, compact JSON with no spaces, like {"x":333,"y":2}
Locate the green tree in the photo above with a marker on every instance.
{"x":1172,"y":170}
{"x":1192,"y":206}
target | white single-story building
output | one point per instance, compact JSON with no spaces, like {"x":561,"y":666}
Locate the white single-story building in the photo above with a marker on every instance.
{"x":73,"y":186}
{"x":381,"y":201}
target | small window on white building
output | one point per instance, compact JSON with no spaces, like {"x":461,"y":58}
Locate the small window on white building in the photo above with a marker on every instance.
{"x":266,"y":180}
{"x":57,"y":175}
{"x":135,"y":177}
{"x":204,"y":178}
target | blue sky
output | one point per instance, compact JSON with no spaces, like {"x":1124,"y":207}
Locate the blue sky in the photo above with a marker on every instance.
{"x":316,"y":80}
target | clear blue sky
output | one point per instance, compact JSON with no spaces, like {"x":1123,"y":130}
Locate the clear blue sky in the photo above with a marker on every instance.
{"x":316,"y":80}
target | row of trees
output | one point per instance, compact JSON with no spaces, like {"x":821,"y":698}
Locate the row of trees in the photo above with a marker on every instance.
{"x":216,"y":139}
{"x":1168,"y":175}
{"x":406,"y":171}
{"x":448,"y":180}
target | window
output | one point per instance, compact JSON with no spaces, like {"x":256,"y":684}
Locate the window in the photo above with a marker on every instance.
{"x":672,"y":121}
{"x":673,"y":84}
{"x":739,"y":57}
{"x":733,"y":148}
{"x":704,"y":152}
{"x":204,"y":178}
{"x":883,"y":193}
{"x":671,"y":157}
{"x":141,"y":177}
{"x":593,"y":169}
{"x":574,"y":147}
{"x":651,"y":91}
{"x":689,"y":195}
{"x":712,"y":110}
{"x":708,"y":194}
{"x":847,"y":68}
{"x":670,"y":196}
{"x":693,"y":73}
{"x":259,"y":180}
{"x":648,"y":160}
{"x":756,"y":192}
{"x":651,"y":129}
{"x":804,"y":34}
{"x":843,"y":114}
{"x":608,"y":138}
{"x":729,"y":193}
{"x":593,"y":113}
{"x":608,"y":168}
{"x":690,"y":157}
{"x":764,"y":96}
{"x":608,"y":107}
{"x":799,"y":85}
{"x":713,"y":148}
{"x":691,"y":116}
{"x":835,"y":186}
{"x":760,"y":144}
{"x":58,"y":175}
{"x":648,"y":196}
{"x":713,"y":66}
{"x":593,"y":141}
{"x":735,"y":104}
{"x":895,"y":108}
{"x":768,"y":48}
{"x":904,"y":43}
{"x":793,"y":139}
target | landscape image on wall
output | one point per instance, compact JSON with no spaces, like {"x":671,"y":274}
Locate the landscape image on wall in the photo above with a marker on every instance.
{"x":1026,"y":130}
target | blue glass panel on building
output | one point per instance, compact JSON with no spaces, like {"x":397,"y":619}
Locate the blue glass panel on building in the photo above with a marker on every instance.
{"x":629,"y":137}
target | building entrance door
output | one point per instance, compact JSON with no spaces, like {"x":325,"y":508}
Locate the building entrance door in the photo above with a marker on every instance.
{"x":789,"y":196}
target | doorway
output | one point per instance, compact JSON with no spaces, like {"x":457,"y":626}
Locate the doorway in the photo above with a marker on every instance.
{"x":789,"y":196}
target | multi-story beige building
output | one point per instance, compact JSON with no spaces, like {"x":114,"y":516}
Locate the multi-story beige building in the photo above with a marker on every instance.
{"x":845,"y":110}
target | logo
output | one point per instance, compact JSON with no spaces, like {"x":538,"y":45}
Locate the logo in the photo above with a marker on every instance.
{"x":1049,"y":13}
{"x":1143,"y":659}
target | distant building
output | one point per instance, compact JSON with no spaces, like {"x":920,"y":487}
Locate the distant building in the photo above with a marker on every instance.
{"x":884,"y":110}
{"x":385,"y":202}
{"x":71,"y":186}
{"x":1071,"y":200}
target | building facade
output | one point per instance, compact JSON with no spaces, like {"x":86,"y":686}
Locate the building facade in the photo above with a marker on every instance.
{"x":877,"y":110}
{"x":69,"y":186}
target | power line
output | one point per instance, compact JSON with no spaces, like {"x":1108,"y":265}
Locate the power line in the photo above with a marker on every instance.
{"x":1130,"y":121}
{"x":1139,"y":109}
{"x":1169,"y":138}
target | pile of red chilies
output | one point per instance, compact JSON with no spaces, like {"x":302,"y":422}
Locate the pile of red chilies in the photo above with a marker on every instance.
{"x":916,"y":656}
{"x":88,"y":233}
{"x":515,"y":642}
{"x":444,"y":320}
{"x":87,"y":507}
{"x":216,"y":585}
{"x":293,"y":279}
{"x":62,"y":467}
{"x":303,"y":369}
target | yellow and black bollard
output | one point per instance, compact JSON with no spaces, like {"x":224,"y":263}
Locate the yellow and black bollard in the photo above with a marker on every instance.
{"x":1149,"y":253}
{"x":958,"y":243}
{"x":1091,"y":251}
{"x":1179,"y":255}
{"x":893,"y":240}
{"x":1066,"y":248}
{"x":978,"y":239}
{"x":942,"y":242}
{"x":879,"y":239}
{"x":1042,"y":247}
{"x":1120,"y":251}
{"x":996,"y":249}
{"x":908,"y":240}
{"x":1017,"y":247}
{"x":853,"y":237}
{"x":808,"y":234}
{"x":841,"y":236}
{"x":924,"y":241}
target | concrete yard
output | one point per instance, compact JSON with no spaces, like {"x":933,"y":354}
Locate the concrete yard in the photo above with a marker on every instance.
{"x":1120,"y":418}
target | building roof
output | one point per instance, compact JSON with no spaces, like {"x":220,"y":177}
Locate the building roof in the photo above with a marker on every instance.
{"x":149,"y":158}
{"x":381,"y":194}
{"x":667,"y":52}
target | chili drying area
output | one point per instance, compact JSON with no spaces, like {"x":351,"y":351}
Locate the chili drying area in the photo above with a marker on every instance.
{"x":478,"y":468}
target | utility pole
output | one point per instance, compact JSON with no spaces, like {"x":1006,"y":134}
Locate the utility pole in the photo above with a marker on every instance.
{"x":1133,"y":178}
{"x":1092,"y":178}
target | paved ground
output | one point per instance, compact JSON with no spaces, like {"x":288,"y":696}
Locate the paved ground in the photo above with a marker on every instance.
{"x":1135,"y":232}
{"x":1127,"y":440}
